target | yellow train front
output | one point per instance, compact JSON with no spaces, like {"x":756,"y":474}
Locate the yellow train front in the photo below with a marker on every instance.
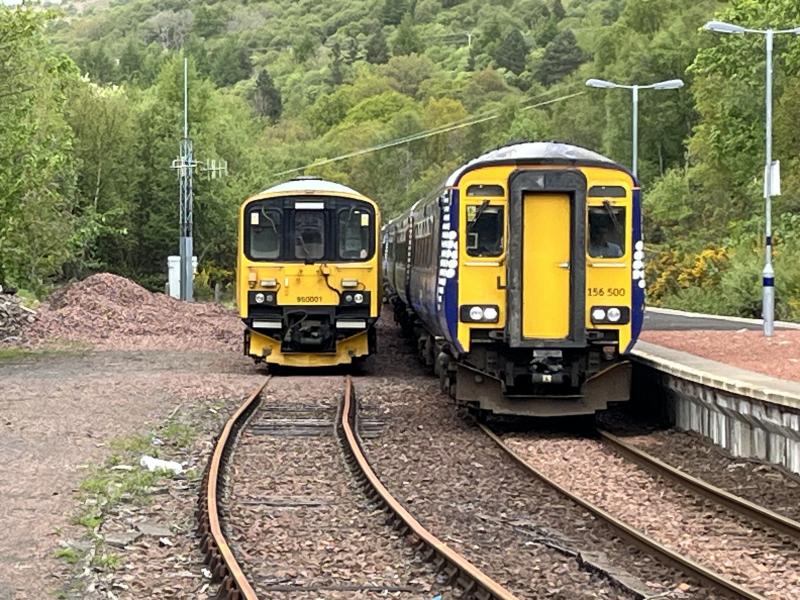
{"x":522,"y":279}
{"x":308,"y":274}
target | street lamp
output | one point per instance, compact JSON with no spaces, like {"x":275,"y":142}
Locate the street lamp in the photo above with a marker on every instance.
{"x":670,"y":84}
{"x":768,"y":275}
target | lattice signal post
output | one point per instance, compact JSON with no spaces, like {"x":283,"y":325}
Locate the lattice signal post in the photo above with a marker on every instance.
{"x":186,"y":164}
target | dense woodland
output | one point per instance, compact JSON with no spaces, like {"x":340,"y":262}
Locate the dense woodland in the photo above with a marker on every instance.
{"x":91,"y":120}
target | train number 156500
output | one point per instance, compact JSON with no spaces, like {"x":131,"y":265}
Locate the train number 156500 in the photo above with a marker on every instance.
{"x":614,"y":292}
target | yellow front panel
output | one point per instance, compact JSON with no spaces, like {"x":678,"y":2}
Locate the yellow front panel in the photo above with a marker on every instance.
{"x":545,"y":266}
{"x":482,"y":280}
{"x":608,"y":280}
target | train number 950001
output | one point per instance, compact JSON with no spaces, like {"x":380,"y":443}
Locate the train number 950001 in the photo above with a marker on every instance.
{"x":309,"y":299}
{"x":613,"y":292}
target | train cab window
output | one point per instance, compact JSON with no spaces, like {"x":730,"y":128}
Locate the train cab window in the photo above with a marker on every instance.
{"x":309,"y":234}
{"x":484,"y":190}
{"x":265,"y":234}
{"x":354,"y":233}
{"x":607,"y":191}
{"x":485,"y":229}
{"x":606,"y":231}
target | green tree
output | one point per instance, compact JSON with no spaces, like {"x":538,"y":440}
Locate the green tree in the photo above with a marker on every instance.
{"x":103,"y":121}
{"x":36,"y":171}
{"x":511,"y":53}
{"x":230,"y":63}
{"x":377,"y":48}
{"x":407,"y":73}
{"x":406,"y":40}
{"x":304,"y":48}
{"x":561,"y":57}
{"x":267,"y":98}
{"x":94,"y":60}
{"x":336,"y":75}
{"x":131,"y":61}
{"x":209,"y":20}
{"x":558,"y":10}
{"x":393,"y":11}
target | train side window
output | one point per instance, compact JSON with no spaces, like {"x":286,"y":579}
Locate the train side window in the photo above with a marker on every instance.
{"x":265,"y":234}
{"x":485,"y":229}
{"x":309,"y":234}
{"x":354,"y":233}
{"x":606,"y":231}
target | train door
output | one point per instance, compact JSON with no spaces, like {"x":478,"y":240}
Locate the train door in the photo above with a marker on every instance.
{"x":546,"y":267}
{"x":546,"y":245}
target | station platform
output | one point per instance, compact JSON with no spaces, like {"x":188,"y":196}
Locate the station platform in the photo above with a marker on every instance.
{"x":719,"y":376}
{"x":727,"y":348}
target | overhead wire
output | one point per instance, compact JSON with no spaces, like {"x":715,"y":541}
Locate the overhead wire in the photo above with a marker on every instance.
{"x":453,"y":126}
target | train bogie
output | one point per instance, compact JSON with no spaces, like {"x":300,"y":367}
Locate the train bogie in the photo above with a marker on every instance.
{"x":308,"y":282}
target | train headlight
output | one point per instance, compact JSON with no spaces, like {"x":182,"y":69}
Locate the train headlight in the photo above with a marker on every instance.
{"x":610,"y":315}
{"x":598,"y":314}
{"x":259,"y":298}
{"x":355,"y":299}
{"x":479,"y":313}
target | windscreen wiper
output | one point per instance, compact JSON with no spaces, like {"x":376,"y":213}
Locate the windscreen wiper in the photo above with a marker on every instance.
{"x":478,"y":214}
{"x":612,"y":215}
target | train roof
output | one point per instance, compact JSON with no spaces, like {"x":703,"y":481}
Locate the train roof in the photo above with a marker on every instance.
{"x":305,"y":184}
{"x":534,"y":152}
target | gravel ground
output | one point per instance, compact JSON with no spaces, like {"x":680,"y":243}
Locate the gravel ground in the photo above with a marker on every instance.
{"x":295,"y":517}
{"x":744,"y":349}
{"x":757,"y":481}
{"x":462,"y":487}
{"x":58,"y":413}
{"x":762,"y":560}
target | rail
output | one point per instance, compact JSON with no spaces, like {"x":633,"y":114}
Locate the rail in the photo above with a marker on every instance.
{"x":736,"y":503}
{"x":630,"y":534}
{"x":474,"y":581}
{"x":223,"y":565}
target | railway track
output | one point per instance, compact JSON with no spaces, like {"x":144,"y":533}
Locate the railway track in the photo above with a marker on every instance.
{"x":665,"y":554}
{"x":222,"y":553}
{"x":744,"y":507}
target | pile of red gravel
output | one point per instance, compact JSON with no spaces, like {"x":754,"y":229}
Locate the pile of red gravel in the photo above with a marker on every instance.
{"x":111,"y":312}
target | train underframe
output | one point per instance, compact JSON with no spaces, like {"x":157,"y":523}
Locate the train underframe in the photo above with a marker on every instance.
{"x":310,"y":338}
{"x":536,"y":382}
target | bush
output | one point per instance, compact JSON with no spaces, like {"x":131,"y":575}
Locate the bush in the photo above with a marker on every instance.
{"x":726,"y":282}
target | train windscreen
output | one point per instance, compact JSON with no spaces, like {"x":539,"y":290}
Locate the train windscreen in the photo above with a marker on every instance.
{"x":309,"y":229}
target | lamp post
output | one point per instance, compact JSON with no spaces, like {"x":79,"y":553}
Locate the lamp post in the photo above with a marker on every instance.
{"x":670,"y":84}
{"x":768,"y":274}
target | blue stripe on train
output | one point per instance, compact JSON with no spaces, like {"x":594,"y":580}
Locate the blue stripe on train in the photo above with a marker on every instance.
{"x":450,"y":312}
{"x":638,"y":294}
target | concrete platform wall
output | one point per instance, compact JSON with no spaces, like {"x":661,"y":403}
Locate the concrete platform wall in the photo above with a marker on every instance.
{"x":744,"y":425}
